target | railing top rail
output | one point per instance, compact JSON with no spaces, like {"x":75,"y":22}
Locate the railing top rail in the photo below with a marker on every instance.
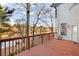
{"x":18,"y":38}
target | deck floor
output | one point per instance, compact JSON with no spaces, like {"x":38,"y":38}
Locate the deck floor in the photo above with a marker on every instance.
{"x":53,"y":48}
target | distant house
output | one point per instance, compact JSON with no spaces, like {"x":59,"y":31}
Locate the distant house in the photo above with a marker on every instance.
{"x":67,"y":21}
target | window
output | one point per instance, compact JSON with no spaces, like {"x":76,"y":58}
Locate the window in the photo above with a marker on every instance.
{"x":63,"y":28}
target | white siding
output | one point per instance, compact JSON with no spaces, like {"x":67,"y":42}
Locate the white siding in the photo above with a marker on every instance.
{"x":71,"y":17}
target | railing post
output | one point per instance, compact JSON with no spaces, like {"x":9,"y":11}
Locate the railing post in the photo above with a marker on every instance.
{"x":28,"y":42}
{"x":0,"y":49}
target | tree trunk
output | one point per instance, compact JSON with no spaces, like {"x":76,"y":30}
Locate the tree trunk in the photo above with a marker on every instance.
{"x":27,"y":22}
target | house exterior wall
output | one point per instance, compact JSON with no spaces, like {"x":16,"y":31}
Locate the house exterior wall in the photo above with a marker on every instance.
{"x":71,"y":17}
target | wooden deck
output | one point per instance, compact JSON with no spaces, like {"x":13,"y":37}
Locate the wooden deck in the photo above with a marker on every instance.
{"x":53,"y":48}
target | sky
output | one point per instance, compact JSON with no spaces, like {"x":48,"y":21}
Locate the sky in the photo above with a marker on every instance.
{"x":20,"y":12}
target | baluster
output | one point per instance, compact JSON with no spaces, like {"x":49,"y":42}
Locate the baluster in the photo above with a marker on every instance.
{"x":9,"y":48}
{"x":21,"y":45}
{"x":0,"y":49}
{"x":16,"y":46}
{"x":24,"y":43}
{"x":13,"y":46}
{"x":42,"y":38}
{"x":49,"y":36}
{"x":5,"y":48}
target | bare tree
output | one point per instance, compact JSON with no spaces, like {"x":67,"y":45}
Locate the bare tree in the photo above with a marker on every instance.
{"x":39,"y":14}
{"x":49,"y":14}
{"x":42,"y":15}
{"x":51,"y":20}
